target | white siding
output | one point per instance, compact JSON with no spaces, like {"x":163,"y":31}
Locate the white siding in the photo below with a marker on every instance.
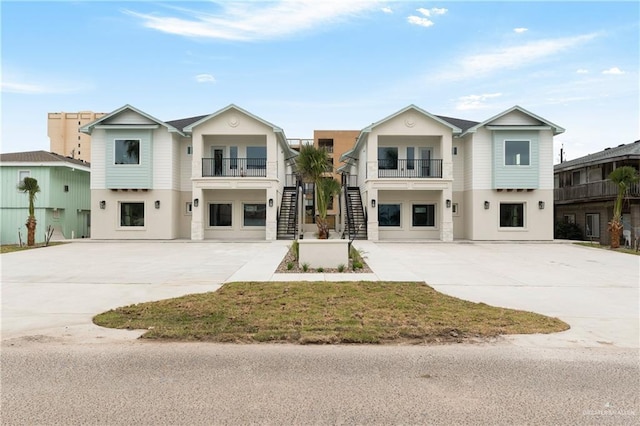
{"x":128,"y":117}
{"x":515,"y":118}
{"x":185,"y":164}
{"x":545,"y":139}
{"x":162,"y":167}
{"x":98,"y":165}
{"x":458,"y":165}
{"x":482,"y":159}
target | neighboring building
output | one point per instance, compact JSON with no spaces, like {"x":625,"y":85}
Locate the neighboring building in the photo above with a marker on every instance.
{"x":336,"y":142}
{"x":63,"y":202}
{"x":65,"y":138}
{"x":422,"y":176}
{"x":584,"y":195}
{"x":217,"y":176}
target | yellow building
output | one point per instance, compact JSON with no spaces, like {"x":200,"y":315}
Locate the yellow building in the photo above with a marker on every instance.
{"x":64,"y":135}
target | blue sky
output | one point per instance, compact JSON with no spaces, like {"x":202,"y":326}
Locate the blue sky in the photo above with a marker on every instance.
{"x":319,"y":64}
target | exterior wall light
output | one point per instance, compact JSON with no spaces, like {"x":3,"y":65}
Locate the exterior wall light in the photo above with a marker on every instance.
{"x":103,"y":204}
{"x":195,"y":203}
{"x":157,"y":204}
{"x":448,"y":204}
{"x":487,"y":205}
{"x":270,"y":202}
{"x":541,"y":205}
{"x":373,"y":203}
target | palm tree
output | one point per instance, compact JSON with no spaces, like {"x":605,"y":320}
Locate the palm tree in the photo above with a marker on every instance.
{"x":313,"y":164}
{"x":623,"y":177}
{"x":30,"y":186}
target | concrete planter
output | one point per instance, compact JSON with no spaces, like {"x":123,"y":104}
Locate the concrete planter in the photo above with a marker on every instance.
{"x":323,"y":253}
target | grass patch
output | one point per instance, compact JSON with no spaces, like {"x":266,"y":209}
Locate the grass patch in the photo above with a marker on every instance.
{"x":10,"y":248}
{"x":617,"y":250}
{"x":327,"y":312}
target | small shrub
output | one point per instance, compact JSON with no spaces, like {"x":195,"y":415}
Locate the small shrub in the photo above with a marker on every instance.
{"x":295,"y":247}
{"x":289,"y":266}
{"x":320,"y":269}
{"x":567,"y":231}
{"x":341,"y":268}
{"x":305,"y":267}
{"x":356,"y":265}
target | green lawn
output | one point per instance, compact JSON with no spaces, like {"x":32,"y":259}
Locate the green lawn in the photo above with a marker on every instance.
{"x":325,"y":312}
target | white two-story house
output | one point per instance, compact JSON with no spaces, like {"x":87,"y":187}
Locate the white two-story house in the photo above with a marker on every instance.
{"x":422,"y":176}
{"x":217,"y":176}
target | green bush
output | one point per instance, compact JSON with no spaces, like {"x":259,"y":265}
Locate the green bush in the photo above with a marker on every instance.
{"x":295,"y":248}
{"x":341,"y":268}
{"x":289,"y":266}
{"x":320,"y":269}
{"x":568,"y":231}
{"x":305,"y":267}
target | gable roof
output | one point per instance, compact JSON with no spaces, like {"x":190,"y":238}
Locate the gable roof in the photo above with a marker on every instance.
{"x":463,"y":125}
{"x":630,"y":150}
{"x":181,"y":123}
{"x":364,"y":133}
{"x":556,"y":129}
{"x":42,"y":158}
{"x":88,"y":128}
{"x":282,"y":139}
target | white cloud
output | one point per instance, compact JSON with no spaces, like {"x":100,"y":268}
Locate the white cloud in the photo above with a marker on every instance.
{"x":520,"y":30}
{"x":387,"y":10}
{"x":247,"y":21}
{"x":205,"y":78}
{"x":28,"y":88}
{"x":582,"y":71}
{"x":416,"y":20}
{"x":424,"y":21}
{"x":512,"y":57}
{"x":613,"y":71}
{"x":475,"y":101}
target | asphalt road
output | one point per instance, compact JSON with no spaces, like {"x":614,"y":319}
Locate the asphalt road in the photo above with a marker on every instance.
{"x":46,"y":382}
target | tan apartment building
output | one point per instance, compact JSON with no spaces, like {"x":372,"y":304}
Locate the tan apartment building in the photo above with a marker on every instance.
{"x":336,"y":142}
{"x":64,"y":135}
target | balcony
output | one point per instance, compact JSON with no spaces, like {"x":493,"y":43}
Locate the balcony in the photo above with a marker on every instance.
{"x":234,"y":167}
{"x":601,"y":190}
{"x":408,"y":169}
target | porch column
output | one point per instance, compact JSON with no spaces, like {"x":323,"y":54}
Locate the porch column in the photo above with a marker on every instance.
{"x":197,"y":214}
{"x":446,"y":225}
{"x":372,"y":214}
{"x":271,"y":231}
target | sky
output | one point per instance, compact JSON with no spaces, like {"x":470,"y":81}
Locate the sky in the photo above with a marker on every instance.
{"x":325,"y":64}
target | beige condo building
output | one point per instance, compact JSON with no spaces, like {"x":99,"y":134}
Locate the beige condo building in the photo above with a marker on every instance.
{"x":64,"y":135}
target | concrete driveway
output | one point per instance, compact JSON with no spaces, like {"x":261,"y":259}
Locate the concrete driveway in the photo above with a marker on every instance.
{"x":56,"y":291}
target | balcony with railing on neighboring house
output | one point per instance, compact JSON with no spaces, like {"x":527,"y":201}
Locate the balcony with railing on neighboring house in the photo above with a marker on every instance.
{"x":408,"y":169}
{"x":234,"y":167}
{"x":592,"y":191}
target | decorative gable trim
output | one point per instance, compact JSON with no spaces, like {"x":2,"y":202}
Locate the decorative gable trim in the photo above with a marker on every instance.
{"x":546,"y":123}
{"x":100,"y":123}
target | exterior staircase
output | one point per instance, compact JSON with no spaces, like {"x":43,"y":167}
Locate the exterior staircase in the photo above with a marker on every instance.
{"x":356,"y":227}
{"x":288,"y":218}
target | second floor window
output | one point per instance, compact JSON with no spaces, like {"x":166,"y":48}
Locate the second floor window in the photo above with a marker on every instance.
{"x":127,"y":151}
{"x":256,"y":157}
{"x":516,"y":153}
{"x":387,"y":158}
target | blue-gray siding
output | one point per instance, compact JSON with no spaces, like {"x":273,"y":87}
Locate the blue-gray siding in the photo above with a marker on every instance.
{"x":129,"y":176}
{"x":516,"y":177}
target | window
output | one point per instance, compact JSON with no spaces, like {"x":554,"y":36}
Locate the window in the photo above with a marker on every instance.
{"x":575,"y":177}
{"x":256,"y":157}
{"x":66,"y":188}
{"x":127,"y":151}
{"x":424,"y":215}
{"x":388,"y":214}
{"x":593,"y":225}
{"x":387,"y":158}
{"x":219,"y":214}
{"x":233,"y":155}
{"x":131,"y":214}
{"x":188,"y":208}
{"x":23,"y":174}
{"x":516,"y":153}
{"x":512,"y":215}
{"x":189,"y":150}
{"x":55,"y":214}
{"x":454,"y":150}
{"x":570,"y":218}
{"x":411,"y":155}
{"x":255,"y":214}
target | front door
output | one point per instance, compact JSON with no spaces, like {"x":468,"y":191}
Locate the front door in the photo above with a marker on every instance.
{"x":425,"y":162}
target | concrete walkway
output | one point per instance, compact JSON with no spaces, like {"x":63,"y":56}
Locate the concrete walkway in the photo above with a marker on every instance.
{"x":57,"y":290}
